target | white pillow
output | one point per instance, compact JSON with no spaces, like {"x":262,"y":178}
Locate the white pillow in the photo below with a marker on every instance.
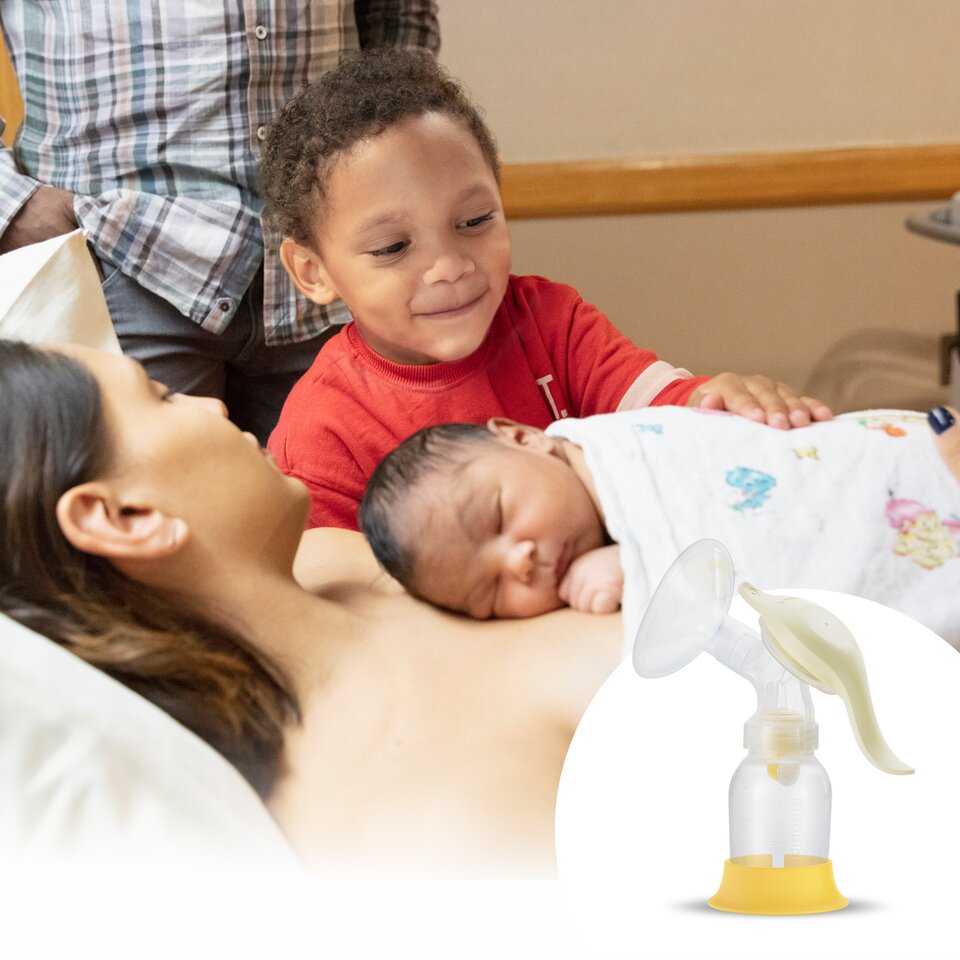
{"x":50,"y":293}
{"x":90,"y":770}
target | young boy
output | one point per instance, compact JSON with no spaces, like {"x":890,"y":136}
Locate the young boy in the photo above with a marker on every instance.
{"x":506,"y":520}
{"x":383,"y":179}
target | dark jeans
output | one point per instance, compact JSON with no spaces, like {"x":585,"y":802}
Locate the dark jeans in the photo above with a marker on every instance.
{"x":237,"y":366}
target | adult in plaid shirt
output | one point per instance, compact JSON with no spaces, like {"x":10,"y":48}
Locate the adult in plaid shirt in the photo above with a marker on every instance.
{"x":143,"y":124}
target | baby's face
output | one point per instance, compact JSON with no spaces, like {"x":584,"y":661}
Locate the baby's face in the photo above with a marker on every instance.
{"x":414,"y":240}
{"x":494,"y":537}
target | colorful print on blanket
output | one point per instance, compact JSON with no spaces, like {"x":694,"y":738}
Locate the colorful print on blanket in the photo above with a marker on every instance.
{"x":754,"y":485}
{"x":861,"y":504}
{"x":921,"y":535}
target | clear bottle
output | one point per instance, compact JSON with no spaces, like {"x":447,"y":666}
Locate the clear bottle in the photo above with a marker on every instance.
{"x":779,"y":795}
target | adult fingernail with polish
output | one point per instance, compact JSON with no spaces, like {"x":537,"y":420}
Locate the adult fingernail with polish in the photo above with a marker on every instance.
{"x":940,"y":419}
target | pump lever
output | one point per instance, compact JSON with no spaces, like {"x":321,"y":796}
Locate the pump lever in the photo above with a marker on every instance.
{"x":816,"y":647}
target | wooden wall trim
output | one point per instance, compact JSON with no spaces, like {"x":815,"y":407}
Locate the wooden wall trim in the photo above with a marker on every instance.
{"x":731,"y":181}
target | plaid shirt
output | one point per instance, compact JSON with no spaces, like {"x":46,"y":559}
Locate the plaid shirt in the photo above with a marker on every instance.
{"x":152,"y":114}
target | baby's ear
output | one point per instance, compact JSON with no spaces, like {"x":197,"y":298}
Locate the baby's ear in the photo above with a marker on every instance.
{"x":307,"y":271}
{"x":519,"y":435}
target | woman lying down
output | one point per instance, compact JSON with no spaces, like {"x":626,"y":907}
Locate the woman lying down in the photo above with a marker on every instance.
{"x":504,"y":520}
{"x":147,"y":535}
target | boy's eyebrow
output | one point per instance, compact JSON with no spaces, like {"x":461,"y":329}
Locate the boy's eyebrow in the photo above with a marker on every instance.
{"x":474,"y":189}
{"x":379,"y":220}
{"x":393,"y":216}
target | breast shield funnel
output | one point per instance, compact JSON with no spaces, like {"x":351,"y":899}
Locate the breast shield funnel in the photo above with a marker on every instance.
{"x":779,"y":801}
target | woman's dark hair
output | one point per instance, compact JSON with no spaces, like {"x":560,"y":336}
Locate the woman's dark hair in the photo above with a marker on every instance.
{"x":380,"y":517}
{"x":53,"y":436}
{"x":362,"y":97}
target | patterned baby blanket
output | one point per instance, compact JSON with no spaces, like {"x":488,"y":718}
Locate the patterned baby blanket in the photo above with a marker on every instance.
{"x":861,"y":504}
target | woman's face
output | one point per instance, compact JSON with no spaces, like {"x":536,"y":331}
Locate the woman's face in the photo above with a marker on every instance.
{"x":182,"y":455}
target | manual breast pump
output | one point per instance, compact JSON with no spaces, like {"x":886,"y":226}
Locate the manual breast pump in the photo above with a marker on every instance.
{"x":779,"y":800}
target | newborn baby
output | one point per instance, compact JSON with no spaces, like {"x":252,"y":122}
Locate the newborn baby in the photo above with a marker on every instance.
{"x":491,"y":521}
{"x":505,"y":520}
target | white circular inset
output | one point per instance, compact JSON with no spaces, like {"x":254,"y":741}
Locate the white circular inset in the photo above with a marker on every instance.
{"x":643,"y":828}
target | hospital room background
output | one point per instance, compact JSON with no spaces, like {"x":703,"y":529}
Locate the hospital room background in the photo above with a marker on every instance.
{"x":728,"y":179}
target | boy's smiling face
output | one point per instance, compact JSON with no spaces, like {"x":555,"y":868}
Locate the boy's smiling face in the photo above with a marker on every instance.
{"x":413,"y":239}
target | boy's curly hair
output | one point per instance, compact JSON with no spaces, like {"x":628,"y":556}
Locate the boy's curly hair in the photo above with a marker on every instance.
{"x":362,"y":97}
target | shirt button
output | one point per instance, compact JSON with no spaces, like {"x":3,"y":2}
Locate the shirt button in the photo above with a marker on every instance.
{"x":261,"y":32}
{"x":261,"y":133}
{"x":223,"y":305}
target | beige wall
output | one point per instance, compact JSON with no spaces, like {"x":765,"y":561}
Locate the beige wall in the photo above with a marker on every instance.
{"x":765,"y":290}
{"x":565,"y":80}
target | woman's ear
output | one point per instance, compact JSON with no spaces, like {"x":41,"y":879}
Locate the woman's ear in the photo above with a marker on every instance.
{"x":94,"y":520}
{"x":520,"y":435}
{"x":307,"y":271}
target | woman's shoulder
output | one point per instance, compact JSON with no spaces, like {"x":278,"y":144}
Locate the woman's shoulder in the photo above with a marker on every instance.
{"x":329,"y":555}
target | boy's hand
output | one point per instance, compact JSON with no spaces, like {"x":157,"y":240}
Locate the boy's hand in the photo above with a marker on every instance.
{"x":594,"y":581}
{"x":759,"y":398}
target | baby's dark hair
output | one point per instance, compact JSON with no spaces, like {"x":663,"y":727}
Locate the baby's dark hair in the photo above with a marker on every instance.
{"x":362,"y":97}
{"x":397,"y":475}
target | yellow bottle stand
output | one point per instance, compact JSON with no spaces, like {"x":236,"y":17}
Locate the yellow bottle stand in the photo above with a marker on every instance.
{"x":793,"y":889}
{"x":780,"y":796}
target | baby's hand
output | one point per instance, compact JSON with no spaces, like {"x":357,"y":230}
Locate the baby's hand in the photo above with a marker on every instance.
{"x":759,"y":398}
{"x":594,"y":581}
